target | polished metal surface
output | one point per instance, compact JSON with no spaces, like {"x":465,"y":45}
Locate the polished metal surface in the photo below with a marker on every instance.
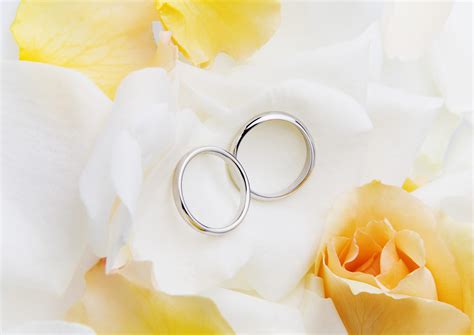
{"x":310,"y":151}
{"x":180,"y":201}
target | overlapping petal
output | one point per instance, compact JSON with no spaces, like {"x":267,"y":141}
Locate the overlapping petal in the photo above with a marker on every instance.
{"x":410,"y":289}
{"x":138,"y":133}
{"x":202,"y":29}
{"x":367,"y":310}
{"x":50,"y":117}
{"x":103,"y":39}
{"x":113,"y":304}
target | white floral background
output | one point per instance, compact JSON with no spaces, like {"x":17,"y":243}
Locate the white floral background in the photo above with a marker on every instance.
{"x":385,"y":89}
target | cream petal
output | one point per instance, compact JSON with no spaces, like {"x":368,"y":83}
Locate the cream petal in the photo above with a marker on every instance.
{"x":138,"y":132}
{"x":347,"y":66}
{"x":437,"y":145}
{"x":401,"y":118}
{"x":451,"y":59}
{"x":251,"y":315}
{"x":126,"y":169}
{"x":51,"y":327}
{"x":452,"y":193}
{"x":456,"y":159}
{"x":319,"y":313}
{"x":10,"y":49}
{"x":328,"y":23}
{"x":410,"y":27}
{"x":50,"y":117}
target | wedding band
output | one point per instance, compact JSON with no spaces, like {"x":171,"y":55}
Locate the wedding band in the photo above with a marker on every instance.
{"x":181,"y":205}
{"x":310,"y":151}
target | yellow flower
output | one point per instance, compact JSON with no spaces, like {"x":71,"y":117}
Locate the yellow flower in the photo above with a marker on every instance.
{"x":105,"y":40}
{"x":108,"y":39}
{"x":389,"y":269}
{"x":115,"y":303}
{"x":204,"y":28}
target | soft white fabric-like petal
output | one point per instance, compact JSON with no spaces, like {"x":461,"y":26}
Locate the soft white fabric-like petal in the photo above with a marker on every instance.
{"x":401,"y":121}
{"x":307,"y":25}
{"x":51,"y":327}
{"x":452,"y":59}
{"x":319,"y":313}
{"x":250,"y":315}
{"x":50,"y":117}
{"x":348,"y":66}
{"x":9,"y":50}
{"x":457,"y":158}
{"x":431,"y":158}
{"x":409,"y":27}
{"x":451,"y":193}
{"x":138,"y":132}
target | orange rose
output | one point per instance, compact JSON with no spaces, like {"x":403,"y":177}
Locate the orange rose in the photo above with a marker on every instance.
{"x":387,"y":268}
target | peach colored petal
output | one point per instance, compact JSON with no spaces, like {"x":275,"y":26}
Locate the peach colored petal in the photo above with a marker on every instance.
{"x":371,"y":266}
{"x":420,"y":283}
{"x":376,"y":201}
{"x":460,"y":238}
{"x":335,"y":265}
{"x":366,"y":310}
{"x":380,"y":230}
{"x":368,"y":248}
{"x":410,"y":244}
{"x":389,"y":257}
{"x":392,"y":277}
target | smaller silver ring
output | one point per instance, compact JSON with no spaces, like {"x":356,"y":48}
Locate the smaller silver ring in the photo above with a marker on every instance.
{"x":180,"y":201}
{"x":310,"y":151}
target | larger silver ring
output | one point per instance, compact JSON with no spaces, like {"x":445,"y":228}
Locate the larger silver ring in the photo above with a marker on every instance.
{"x":310,"y":151}
{"x":180,"y":201}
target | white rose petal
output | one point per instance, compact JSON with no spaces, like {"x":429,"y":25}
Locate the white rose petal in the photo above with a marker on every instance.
{"x":410,"y":27}
{"x":138,"y":132}
{"x":51,"y":327}
{"x":250,"y":315}
{"x":401,"y":121}
{"x":50,"y":116}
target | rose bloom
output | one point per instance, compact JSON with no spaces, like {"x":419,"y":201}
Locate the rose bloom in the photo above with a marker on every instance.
{"x":388,"y":267}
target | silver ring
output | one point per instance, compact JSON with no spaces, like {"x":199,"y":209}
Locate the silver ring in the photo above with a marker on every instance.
{"x":180,"y":201}
{"x":310,"y":151}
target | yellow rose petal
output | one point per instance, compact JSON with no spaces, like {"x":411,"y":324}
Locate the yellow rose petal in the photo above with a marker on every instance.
{"x":112,"y":304}
{"x":335,"y":265}
{"x":202,"y":29}
{"x":366,"y":310}
{"x":460,"y":237}
{"x":389,"y":257}
{"x":420,"y":283}
{"x":104,"y":39}
{"x":376,"y":201}
{"x":380,"y":230}
{"x":411,"y":248}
